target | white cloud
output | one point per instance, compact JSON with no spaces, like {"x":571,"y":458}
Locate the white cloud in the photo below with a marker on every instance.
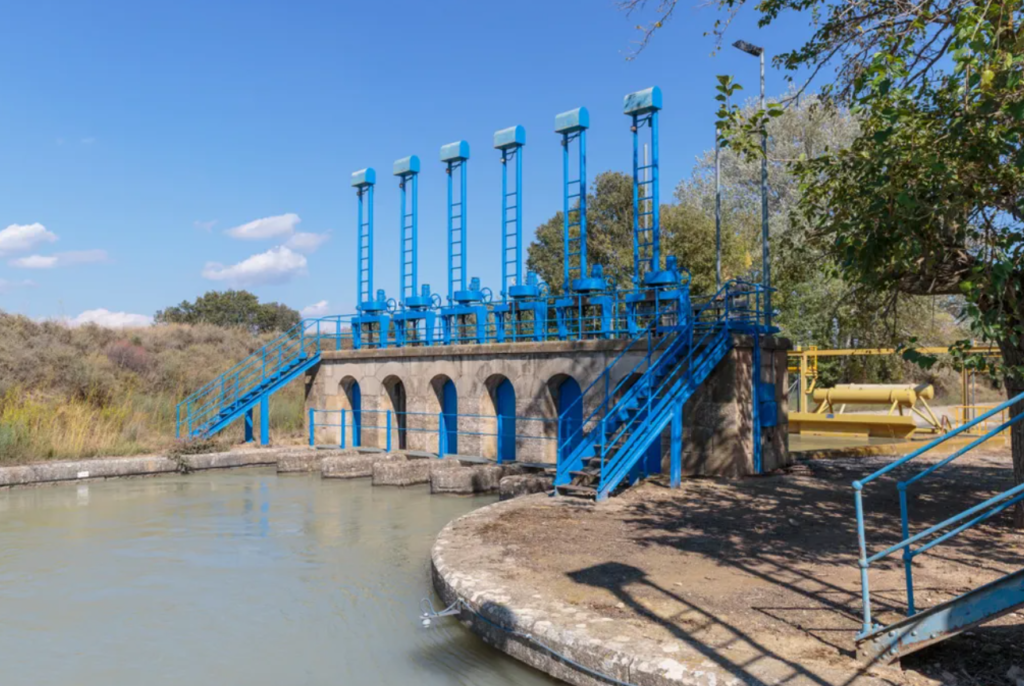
{"x":204,"y":226}
{"x":111,"y":320}
{"x":315,"y":310}
{"x":88,"y":140}
{"x":277,"y":265}
{"x":268,"y":227}
{"x":21,"y":237}
{"x":307,"y":242}
{"x":60,"y":259}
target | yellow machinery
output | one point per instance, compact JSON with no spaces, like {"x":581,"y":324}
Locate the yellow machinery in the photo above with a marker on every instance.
{"x":825,"y":420}
{"x":830,"y":417}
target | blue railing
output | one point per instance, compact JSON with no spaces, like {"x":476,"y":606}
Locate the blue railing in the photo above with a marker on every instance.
{"x":353,"y":426}
{"x":306,"y":339}
{"x":611,"y":315}
{"x":736,"y":306}
{"x":938,"y":533}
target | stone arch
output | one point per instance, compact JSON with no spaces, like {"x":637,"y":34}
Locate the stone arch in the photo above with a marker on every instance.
{"x":446,"y":404}
{"x":500,"y":443}
{"x":394,"y":398}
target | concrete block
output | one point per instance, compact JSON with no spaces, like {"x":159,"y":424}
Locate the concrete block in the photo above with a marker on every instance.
{"x":401,"y":473}
{"x":98,"y":468}
{"x":235,"y":458}
{"x":466,"y":480}
{"x":306,"y":461}
{"x":352,"y":465}
{"x":524,"y":484}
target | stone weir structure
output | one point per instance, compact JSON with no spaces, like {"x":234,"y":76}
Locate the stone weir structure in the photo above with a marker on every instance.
{"x":476,"y":390}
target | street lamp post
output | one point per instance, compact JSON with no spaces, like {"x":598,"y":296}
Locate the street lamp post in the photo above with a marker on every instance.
{"x":765,"y":266}
{"x":718,"y":214}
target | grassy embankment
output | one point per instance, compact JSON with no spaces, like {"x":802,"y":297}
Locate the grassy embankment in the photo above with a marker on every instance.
{"x":69,"y":393}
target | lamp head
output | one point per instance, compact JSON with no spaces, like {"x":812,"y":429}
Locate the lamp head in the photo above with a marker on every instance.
{"x":748,"y":48}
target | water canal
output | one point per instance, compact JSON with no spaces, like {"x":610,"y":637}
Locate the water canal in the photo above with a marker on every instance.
{"x":234,"y":577}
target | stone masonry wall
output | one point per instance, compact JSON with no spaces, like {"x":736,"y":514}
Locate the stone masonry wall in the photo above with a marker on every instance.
{"x":717,"y":423}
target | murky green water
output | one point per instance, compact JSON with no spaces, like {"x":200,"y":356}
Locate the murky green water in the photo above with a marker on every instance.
{"x":225,"y":578}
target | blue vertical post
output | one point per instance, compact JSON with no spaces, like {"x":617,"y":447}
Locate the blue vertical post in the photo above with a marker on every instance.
{"x":456,"y":156}
{"x":248,"y":426}
{"x":441,"y":431}
{"x":312,"y":428}
{"x":265,"y":420}
{"x":387,"y":441}
{"x":510,"y":142}
{"x":643,"y":107}
{"x":755,"y":373}
{"x":363,"y":181}
{"x":573,"y":127}
{"x":407,"y":170}
{"x":342,"y":442}
{"x":676,"y":452}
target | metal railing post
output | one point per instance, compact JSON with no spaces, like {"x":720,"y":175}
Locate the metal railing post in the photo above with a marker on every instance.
{"x":441,"y":437}
{"x":499,"y":436}
{"x":312,"y":427}
{"x":865,"y":591}
{"x":908,"y":557}
{"x":342,"y":429}
{"x":388,"y":441}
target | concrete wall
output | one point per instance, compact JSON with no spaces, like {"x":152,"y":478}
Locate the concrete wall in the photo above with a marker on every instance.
{"x":717,"y":421}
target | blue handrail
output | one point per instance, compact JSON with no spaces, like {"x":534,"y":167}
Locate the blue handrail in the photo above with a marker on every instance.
{"x":984,"y":510}
{"x":319,"y":419}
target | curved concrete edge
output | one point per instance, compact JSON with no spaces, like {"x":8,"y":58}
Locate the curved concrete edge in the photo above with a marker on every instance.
{"x":140,"y":465}
{"x":639,"y":663}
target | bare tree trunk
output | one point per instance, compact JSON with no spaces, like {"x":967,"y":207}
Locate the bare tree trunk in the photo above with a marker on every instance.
{"x":1014,"y":357}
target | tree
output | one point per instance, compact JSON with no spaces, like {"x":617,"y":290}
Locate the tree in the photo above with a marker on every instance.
{"x":928,"y":199}
{"x":609,"y":234}
{"x":231,"y":308}
{"x":685,"y":231}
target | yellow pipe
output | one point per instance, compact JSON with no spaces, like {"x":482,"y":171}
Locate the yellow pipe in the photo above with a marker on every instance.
{"x":863,"y":395}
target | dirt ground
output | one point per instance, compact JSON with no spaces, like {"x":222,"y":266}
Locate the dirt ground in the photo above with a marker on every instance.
{"x":765,"y":568}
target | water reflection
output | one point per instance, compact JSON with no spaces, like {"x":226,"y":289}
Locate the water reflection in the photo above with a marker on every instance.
{"x":229,"y":578}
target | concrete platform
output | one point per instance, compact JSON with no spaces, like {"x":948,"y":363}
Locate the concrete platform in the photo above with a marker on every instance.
{"x":524,"y":484}
{"x":353,"y":464}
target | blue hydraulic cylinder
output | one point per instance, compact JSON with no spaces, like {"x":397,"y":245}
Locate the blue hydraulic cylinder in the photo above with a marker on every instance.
{"x":643,"y":107}
{"x":407,"y":170}
{"x":456,"y":156}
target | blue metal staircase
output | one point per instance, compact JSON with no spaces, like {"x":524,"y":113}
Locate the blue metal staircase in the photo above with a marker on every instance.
{"x":629,"y":416}
{"x":252,"y":381}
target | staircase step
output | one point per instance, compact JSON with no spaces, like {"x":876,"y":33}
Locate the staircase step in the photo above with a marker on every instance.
{"x":578,"y":491}
{"x":581,"y":473}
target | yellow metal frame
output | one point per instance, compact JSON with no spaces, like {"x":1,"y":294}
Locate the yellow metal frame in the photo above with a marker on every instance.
{"x":805,"y":363}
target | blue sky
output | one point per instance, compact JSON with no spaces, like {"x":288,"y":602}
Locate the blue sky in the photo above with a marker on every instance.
{"x":136,"y":135}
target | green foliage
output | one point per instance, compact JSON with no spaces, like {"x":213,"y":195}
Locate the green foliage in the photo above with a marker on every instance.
{"x":609,"y":234}
{"x":687,"y":232}
{"x":231,"y":308}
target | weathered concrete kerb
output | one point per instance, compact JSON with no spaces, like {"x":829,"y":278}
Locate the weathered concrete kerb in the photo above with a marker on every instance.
{"x":540,"y":621}
{"x":149,"y":465}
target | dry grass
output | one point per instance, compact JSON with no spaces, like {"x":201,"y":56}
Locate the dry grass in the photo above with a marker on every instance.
{"x":68,"y":393}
